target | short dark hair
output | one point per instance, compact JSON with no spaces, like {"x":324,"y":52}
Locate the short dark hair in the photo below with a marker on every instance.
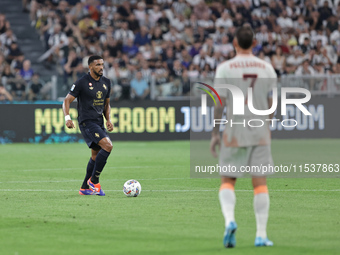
{"x":245,"y":36}
{"x":93,"y":58}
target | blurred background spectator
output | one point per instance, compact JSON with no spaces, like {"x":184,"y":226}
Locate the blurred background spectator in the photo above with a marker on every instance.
{"x":139,"y":87}
{"x":36,"y":88}
{"x":4,"y":94}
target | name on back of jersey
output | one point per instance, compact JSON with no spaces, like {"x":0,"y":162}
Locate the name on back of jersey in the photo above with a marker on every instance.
{"x":247,"y":64}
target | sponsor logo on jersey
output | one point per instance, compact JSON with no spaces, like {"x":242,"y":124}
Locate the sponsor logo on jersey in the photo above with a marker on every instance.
{"x":99,"y":94}
{"x":104,"y":86}
{"x":96,"y":134}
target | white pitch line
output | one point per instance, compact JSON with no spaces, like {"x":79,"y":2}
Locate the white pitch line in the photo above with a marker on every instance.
{"x":42,"y":181}
{"x":76,"y":168}
{"x":106,"y":180}
{"x":180,"y":190}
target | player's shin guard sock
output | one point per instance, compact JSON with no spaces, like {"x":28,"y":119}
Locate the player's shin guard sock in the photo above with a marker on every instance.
{"x":89,"y":171}
{"x":99,"y":165}
{"x":227,"y":201}
{"x":261,"y":208}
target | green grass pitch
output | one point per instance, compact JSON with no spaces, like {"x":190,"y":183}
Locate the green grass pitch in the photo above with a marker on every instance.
{"x":42,"y":213}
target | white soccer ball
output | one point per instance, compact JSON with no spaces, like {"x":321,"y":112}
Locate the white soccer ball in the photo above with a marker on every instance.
{"x":132,"y":188}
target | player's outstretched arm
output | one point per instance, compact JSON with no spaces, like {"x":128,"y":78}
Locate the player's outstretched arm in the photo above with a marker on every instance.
{"x":215,"y":136}
{"x":107,"y":110}
{"x":66,"y":109}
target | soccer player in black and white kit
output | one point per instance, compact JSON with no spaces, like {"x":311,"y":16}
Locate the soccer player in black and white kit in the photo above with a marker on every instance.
{"x":93,"y":95}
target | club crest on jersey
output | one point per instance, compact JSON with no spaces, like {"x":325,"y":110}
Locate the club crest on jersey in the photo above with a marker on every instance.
{"x":90,"y":84}
{"x":99,"y":94}
{"x":104,"y":86}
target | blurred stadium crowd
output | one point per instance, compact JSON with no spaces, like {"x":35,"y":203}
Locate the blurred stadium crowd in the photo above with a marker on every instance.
{"x":169,"y":43}
{"x":17,"y":79}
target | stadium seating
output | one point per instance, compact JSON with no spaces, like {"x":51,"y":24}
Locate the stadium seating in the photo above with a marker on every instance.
{"x":170,"y":41}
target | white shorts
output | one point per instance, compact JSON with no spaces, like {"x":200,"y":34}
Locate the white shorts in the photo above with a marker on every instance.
{"x":253,"y":160}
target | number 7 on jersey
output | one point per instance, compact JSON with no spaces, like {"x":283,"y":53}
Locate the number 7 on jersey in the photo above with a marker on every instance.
{"x":253,"y":78}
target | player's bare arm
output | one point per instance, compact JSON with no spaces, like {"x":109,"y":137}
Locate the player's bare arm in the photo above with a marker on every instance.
{"x":66,"y":109}
{"x":215,"y":136}
{"x":107,"y":110}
